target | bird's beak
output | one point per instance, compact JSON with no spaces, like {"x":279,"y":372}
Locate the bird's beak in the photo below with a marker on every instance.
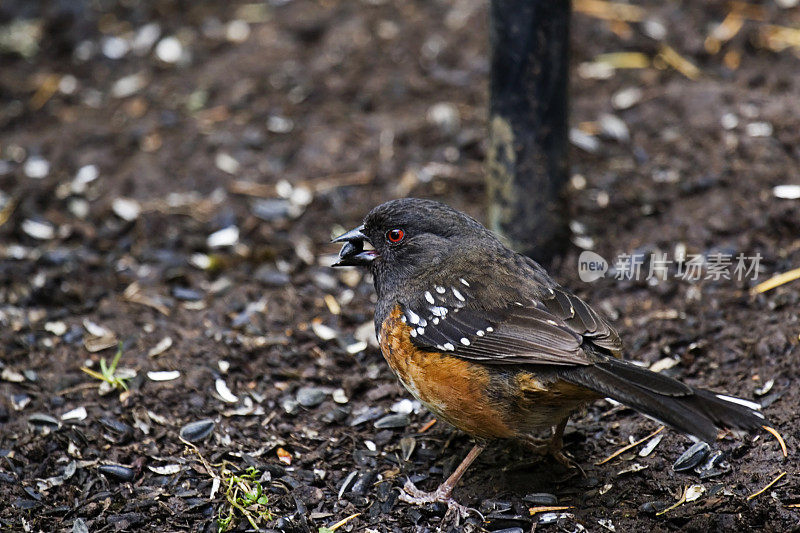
{"x":353,"y":253}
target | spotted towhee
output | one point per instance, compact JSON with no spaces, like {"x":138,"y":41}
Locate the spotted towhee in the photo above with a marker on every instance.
{"x":487,"y":340}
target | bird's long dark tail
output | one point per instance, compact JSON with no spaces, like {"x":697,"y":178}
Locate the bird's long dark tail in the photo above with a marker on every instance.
{"x":694,"y":411}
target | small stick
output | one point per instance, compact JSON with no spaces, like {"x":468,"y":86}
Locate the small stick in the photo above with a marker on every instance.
{"x":428,"y":425}
{"x":629,"y":446}
{"x":777,"y":435}
{"x":548,"y":508}
{"x":676,"y":504}
{"x":770,"y":484}
{"x":776,"y":281}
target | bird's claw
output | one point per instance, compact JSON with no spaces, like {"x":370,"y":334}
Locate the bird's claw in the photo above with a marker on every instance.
{"x":411,"y":494}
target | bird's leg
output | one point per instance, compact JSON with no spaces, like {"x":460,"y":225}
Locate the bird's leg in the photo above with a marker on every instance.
{"x":554,"y":447}
{"x":444,"y":493}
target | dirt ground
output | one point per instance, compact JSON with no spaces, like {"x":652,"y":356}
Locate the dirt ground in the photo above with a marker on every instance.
{"x":132,"y":132}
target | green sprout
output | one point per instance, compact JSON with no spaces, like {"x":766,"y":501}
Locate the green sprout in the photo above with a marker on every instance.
{"x":108,"y":373}
{"x":245,"y":497}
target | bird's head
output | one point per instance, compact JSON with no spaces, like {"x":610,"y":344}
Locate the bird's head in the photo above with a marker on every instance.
{"x":411,"y":236}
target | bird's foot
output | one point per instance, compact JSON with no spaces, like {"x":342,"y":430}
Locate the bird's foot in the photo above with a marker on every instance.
{"x":553,"y":448}
{"x":411,"y":494}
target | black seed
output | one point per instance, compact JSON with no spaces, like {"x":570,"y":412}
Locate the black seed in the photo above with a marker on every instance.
{"x":692,"y":457}
{"x":122,"y":473}
{"x":197,"y":431}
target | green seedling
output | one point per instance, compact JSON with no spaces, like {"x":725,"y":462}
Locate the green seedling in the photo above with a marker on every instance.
{"x":108,"y":373}
{"x":245,"y":497}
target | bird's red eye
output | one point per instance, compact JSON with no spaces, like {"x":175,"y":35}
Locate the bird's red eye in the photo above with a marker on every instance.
{"x":395,"y":235}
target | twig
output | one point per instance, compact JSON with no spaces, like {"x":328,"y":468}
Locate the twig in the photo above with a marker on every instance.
{"x":767,"y":487}
{"x":609,"y":10}
{"x":428,"y":425}
{"x":629,"y":446}
{"x":774,"y":433}
{"x":776,"y":281}
{"x":548,"y":508}
{"x":676,"y":504}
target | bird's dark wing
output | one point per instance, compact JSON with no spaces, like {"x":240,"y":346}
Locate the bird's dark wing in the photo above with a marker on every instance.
{"x":546,"y":330}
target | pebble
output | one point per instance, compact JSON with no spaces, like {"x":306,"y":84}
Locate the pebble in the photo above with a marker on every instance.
{"x":614,"y":127}
{"x":126,"y":208}
{"x":186,"y":295}
{"x":290,"y":406}
{"x":38,"y":229}
{"x":85,"y":175}
{"x":57,"y":328}
{"x":626,"y":98}
{"x":405,"y":406}
{"x":169,"y":49}
{"x":36,"y":167}
{"x":224,"y":237}
{"x":445,"y":116}
{"x":119,"y":472}
{"x":397,"y":420}
{"x":692,"y":457}
{"x":129,"y":85}
{"x":340,"y":397}
{"x":226,"y":163}
{"x":145,"y":38}
{"x":271,"y":277}
{"x":271,"y":209}
{"x":759,"y":129}
{"x":310,"y":396}
{"x":237,"y":31}
{"x":197,"y":431}
{"x":279,"y":124}
{"x":114,"y":47}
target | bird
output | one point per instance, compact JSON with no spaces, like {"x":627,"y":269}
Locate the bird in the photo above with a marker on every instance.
{"x":488,"y":341}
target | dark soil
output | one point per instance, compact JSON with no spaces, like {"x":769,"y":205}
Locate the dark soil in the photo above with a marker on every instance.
{"x":334,"y":97}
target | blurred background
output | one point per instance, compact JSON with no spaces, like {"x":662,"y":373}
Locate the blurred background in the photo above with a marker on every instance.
{"x":171,"y":173}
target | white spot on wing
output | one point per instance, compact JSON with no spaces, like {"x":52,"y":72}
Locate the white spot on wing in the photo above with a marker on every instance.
{"x":464,"y":282}
{"x":746,"y":403}
{"x":403,"y":319}
{"x":439,"y":311}
{"x":552,"y":322}
{"x":421,"y":331}
{"x":449,"y":346}
{"x":465,"y":341}
{"x":489,"y":329}
{"x":429,"y":297}
{"x":435,"y":320}
{"x":412,"y":316}
{"x":439,"y":289}
{"x":413,"y":333}
{"x":480,"y":333}
{"x":457,"y":294}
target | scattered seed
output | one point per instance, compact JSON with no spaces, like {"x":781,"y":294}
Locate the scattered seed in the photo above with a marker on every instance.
{"x":397,"y":420}
{"x":162,"y":346}
{"x":119,"y":472}
{"x":347,"y":482}
{"x":78,"y":414}
{"x":694,"y":492}
{"x":692,"y":457}
{"x":126,"y":208}
{"x":227,"y":163}
{"x":36,"y":167}
{"x":626,"y":98}
{"x":322,"y":331}
{"x":340,"y":397}
{"x":166,"y":470}
{"x":635,"y":467}
{"x":539,"y":499}
{"x":224,"y":237}
{"x":164,"y":375}
{"x":405,"y":406}
{"x":197,"y":431}
{"x":169,"y":50}
{"x":786,"y":192}
{"x":651,"y":445}
{"x":224,"y":392}
{"x":56,"y":328}
{"x":43,"y":420}
{"x":11,"y":375}
{"x":284,"y":456}
{"x":407,"y":446}
{"x":38,"y":229}
{"x":761,"y":391}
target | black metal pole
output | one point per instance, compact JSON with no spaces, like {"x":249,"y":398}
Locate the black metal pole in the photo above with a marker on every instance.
{"x":527,"y":158}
